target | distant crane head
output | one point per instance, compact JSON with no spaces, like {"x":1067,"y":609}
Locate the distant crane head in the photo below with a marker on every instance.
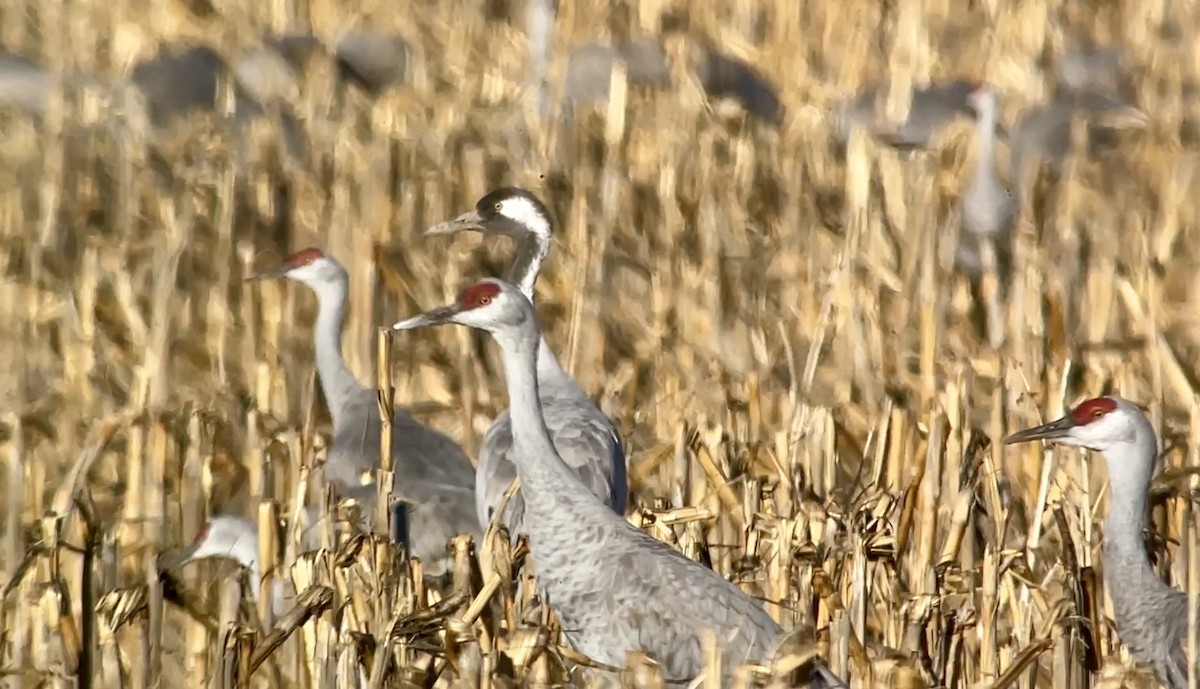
{"x":492,"y":305}
{"x":509,"y":211}
{"x":980,"y":97}
{"x":308,"y":266}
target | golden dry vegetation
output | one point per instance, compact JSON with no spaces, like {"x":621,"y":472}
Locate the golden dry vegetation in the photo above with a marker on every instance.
{"x":799,"y":375}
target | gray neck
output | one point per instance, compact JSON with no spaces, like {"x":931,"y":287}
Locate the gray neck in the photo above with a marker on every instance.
{"x":542,"y":470}
{"x":986,"y":123}
{"x":245,"y":553}
{"x":1126,"y":562}
{"x":539,"y":30}
{"x":532,"y":249}
{"x":550,"y":373}
{"x":337,"y":382}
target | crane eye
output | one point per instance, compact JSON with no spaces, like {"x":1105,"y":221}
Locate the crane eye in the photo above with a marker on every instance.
{"x":484,"y":301}
{"x":499,"y":206}
{"x":1097,"y":413}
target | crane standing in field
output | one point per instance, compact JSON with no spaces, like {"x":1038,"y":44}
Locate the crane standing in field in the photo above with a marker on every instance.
{"x":583,"y":436}
{"x":614,"y":588}
{"x":432,"y":473}
{"x":988,"y":209}
{"x":1151,"y":616}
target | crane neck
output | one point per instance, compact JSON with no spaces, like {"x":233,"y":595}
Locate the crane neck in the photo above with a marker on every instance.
{"x":985,"y":123}
{"x":543,"y":472}
{"x":337,"y":382}
{"x":539,"y":30}
{"x":1131,"y":462}
{"x":532,"y":248}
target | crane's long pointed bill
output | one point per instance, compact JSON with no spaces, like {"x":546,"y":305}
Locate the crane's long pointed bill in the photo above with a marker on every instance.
{"x":440,"y":316}
{"x":1047,"y":431}
{"x":276,"y":272}
{"x":467,"y":221}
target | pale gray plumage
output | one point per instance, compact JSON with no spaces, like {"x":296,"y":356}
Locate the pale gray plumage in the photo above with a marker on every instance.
{"x":930,"y":109}
{"x":583,"y":436}
{"x":589,"y":74}
{"x":431,"y":472}
{"x":1100,"y":69}
{"x":988,"y":209}
{"x":1151,"y":616}
{"x":590,"y":65}
{"x":24,"y":84}
{"x":1043,"y":133}
{"x":614,"y":588}
{"x":233,"y":538}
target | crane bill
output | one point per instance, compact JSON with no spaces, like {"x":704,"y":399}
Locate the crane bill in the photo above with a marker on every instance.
{"x":471,"y":220}
{"x":1049,"y":431}
{"x":439,"y":316}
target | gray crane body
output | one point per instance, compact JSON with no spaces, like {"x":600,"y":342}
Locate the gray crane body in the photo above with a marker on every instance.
{"x":585,"y":439}
{"x":432,"y":474}
{"x":930,"y":109}
{"x":614,"y":588}
{"x":988,"y":209}
{"x":1151,"y":617}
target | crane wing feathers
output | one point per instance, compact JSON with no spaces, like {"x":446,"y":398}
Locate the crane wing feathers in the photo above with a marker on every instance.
{"x":584,"y":438}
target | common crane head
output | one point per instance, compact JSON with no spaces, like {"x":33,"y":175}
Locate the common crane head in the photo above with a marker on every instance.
{"x":492,"y":305}
{"x":508,"y":211}
{"x":222,"y":536}
{"x":308,"y":266}
{"x":1099,"y":424}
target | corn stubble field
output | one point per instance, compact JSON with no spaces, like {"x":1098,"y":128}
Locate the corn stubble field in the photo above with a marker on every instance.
{"x":800,"y":376}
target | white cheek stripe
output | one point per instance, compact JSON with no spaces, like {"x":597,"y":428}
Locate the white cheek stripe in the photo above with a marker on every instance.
{"x":521,"y":210}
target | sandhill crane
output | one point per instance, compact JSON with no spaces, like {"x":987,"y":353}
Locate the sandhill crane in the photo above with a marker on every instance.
{"x":184,"y":79}
{"x":1043,"y":133}
{"x":590,"y":65}
{"x":1151,"y":616}
{"x":370,"y":61}
{"x":231,"y":538}
{"x":179,"y":80}
{"x":614,"y":588}
{"x":988,"y":209}
{"x":228,"y":537}
{"x":1095,"y":68}
{"x":583,"y":436}
{"x":432,"y":473}
{"x":930,"y":109}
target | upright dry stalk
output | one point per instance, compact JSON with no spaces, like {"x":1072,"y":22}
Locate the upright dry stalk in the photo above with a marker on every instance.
{"x":14,"y":545}
{"x":268,"y":561}
{"x":386,"y":399}
{"x":1191,"y":544}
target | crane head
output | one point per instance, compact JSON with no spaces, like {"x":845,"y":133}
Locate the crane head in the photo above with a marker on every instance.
{"x":1097,"y":424}
{"x":222,"y":536}
{"x":490,"y":305}
{"x":310,"y":266}
{"x":508,"y":211}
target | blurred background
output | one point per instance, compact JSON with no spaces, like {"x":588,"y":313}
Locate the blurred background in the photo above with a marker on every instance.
{"x":809,"y":256}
